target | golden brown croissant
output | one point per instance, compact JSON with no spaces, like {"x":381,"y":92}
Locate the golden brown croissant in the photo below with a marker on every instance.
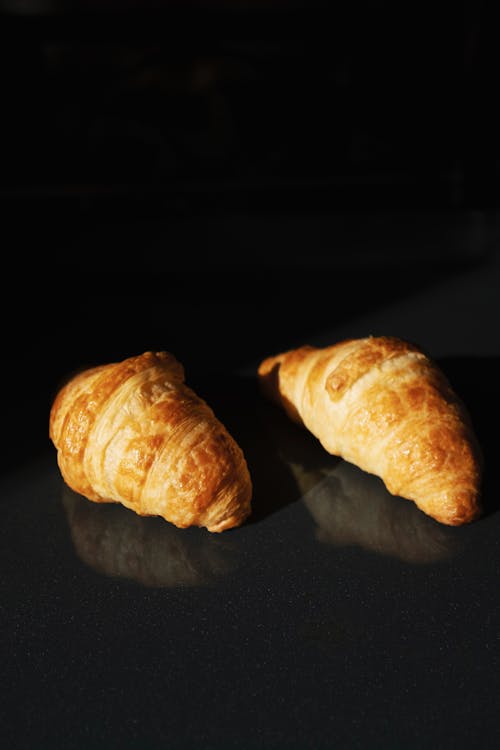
{"x":134,"y":433}
{"x":382,"y":404}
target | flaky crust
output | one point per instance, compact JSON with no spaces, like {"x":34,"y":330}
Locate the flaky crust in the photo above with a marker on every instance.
{"x":382,"y":404}
{"x":134,"y":433}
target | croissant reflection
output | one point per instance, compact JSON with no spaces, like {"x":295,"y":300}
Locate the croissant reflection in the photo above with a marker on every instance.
{"x":351,"y":507}
{"x":149,"y":551}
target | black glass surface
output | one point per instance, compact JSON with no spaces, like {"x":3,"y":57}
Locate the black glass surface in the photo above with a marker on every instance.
{"x":337,"y":616}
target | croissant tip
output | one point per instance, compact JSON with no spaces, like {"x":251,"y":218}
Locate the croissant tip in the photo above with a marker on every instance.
{"x":228,"y":523}
{"x":459,"y":515}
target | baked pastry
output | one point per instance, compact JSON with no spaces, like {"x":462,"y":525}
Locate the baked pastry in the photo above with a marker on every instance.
{"x":134,"y":433}
{"x":382,"y":404}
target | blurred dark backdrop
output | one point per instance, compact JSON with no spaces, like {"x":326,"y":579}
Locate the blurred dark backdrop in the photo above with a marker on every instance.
{"x":155,"y":109}
{"x":225,"y":178}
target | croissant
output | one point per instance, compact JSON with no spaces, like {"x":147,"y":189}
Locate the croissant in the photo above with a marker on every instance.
{"x":134,"y":433}
{"x":382,"y":404}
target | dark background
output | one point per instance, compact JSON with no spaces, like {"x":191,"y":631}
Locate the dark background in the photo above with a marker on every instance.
{"x":123,"y":120}
{"x":222,"y":179}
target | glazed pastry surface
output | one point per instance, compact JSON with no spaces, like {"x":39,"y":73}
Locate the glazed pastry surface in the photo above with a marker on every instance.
{"x":134,"y":433}
{"x":383,"y":405}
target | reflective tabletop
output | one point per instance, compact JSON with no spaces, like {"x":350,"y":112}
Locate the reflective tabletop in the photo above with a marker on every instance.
{"x":336,"y":616}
